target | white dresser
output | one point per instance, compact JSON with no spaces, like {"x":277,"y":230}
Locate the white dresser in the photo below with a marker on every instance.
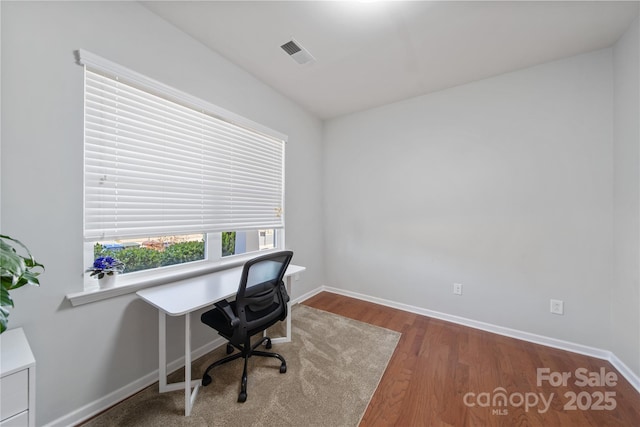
{"x":17,"y":380}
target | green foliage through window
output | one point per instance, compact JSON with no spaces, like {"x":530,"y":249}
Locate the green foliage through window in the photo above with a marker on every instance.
{"x":140,"y":258}
{"x":228,"y":243}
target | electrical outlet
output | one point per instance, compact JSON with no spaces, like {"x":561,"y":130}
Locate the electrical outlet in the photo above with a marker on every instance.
{"x":457,"y":288}
{"x":557,"y":306}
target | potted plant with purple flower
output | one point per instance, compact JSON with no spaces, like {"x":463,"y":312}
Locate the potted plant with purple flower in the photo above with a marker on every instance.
{"x":106,"y":268}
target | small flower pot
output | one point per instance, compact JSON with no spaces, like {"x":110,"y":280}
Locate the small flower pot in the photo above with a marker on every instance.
{"x":107,"y":281}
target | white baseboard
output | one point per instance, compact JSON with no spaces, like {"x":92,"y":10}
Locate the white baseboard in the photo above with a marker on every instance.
{"x":105,"y":402}
{"x":624,"y":370}
{"x":308,"y":295}
{"x":91,"y":409}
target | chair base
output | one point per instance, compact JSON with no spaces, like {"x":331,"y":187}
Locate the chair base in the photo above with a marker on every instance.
{"x":246,"y":351}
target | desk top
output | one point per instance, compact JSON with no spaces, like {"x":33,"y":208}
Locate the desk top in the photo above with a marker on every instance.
{"x":187,"y":295}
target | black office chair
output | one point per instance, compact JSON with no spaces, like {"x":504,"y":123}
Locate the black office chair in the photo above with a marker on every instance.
{"x":261,"y":301}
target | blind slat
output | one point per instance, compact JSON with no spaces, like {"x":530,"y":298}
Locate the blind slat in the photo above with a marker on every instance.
{"x":155,"y":166}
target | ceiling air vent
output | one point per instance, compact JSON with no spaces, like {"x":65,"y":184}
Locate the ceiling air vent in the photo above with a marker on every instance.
{"x":297,"y":52}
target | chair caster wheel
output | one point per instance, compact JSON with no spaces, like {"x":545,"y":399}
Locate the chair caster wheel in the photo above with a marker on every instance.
{"x":206,"y":380}
{"x":242,"y":397}
{"x":229,"y":349}
{"x":283,"y":368}
{"x":268,"y":344}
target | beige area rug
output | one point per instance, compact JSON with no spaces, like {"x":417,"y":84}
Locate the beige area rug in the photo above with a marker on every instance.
{"x":334,"y":365}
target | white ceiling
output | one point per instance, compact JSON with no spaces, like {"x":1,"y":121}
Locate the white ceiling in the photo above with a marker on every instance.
{"x":373,"y":53}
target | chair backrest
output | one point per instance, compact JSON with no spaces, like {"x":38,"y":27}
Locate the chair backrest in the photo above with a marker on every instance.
{"x":262,"y":299}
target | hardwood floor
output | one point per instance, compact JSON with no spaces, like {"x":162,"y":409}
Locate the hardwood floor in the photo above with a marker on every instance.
{"x":438,"y":366}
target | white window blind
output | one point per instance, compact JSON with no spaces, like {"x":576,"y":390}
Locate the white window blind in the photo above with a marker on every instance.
{"x":159,"y":162}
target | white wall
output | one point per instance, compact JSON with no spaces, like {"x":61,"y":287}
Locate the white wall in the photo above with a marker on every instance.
{"x":503,"y":185}
{"x":83,"y":353}
{"x":625,"y":289}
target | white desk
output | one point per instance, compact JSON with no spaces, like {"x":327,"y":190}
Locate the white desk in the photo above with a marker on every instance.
{"x":183,"y":297}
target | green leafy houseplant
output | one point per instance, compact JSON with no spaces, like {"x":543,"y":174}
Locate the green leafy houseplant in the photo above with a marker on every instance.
{"x":17,"y":268}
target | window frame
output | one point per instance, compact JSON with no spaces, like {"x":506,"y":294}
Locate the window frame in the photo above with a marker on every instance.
{"x":213,"y":261}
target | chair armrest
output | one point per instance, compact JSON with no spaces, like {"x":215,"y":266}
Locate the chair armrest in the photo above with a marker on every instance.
{"x":228,"y":312}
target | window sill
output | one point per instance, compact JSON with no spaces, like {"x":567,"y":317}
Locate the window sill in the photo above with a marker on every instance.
{"x":128,"y":286}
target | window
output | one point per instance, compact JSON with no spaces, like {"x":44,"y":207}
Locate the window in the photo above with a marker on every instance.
{"x":165,"y":171}
{"x":153,"y":252}
{"x":240,"y":242}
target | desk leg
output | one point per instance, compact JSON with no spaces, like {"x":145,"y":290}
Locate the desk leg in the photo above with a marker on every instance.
{"x":287,"y":337}
{"x":189,"y":397}
{"x":162,"y":350}
{"x":187,"y":365}
{"x":288,"y":319}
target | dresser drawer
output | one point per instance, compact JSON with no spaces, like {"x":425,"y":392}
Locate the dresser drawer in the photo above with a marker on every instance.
{"x":15,"y":394}
{"x":20,"y":420}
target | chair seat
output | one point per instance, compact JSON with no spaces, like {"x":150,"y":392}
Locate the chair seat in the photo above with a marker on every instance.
{"x":216,"y":319}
